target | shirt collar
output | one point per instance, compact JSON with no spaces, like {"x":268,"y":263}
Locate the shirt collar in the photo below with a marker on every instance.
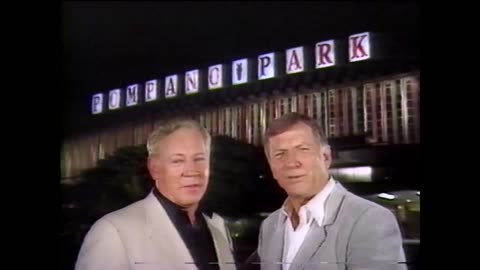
{"x":174,"y":210}
{"x":315,"y":208}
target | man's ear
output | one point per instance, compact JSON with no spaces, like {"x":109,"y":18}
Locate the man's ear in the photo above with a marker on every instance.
{"x":152,"y":168}
{"x":327,"y":155}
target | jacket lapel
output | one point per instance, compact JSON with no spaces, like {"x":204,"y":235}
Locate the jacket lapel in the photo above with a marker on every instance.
{"x":317,"y":234}
{"x":273,"y":246}
{"x":166,"y":241}
{"x":313,"y":241}
{"x":222,"y":242}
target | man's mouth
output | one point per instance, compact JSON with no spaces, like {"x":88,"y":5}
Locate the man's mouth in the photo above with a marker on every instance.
{"x":192,"y":186}
{"x":295,"y":177}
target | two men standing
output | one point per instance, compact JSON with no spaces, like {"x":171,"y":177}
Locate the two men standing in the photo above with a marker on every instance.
{"x":321,"y":225}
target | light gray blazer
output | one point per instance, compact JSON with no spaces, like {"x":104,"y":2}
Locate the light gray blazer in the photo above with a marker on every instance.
{"x":141,"y":236}
{"x":357,"y":234}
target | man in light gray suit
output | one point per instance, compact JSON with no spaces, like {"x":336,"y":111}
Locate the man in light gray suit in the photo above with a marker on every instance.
{"x":321,"y":225}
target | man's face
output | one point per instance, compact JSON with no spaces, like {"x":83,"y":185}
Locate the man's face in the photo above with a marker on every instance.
{"x":181,"y":167}
{"x":298,"y":163}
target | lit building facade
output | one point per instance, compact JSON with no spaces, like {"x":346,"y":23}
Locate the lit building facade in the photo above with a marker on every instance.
{"x":374,"y":99}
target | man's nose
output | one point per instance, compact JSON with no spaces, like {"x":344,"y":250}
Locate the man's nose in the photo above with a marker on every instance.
{"x":292,"y":160}
{"x":191,"y":168}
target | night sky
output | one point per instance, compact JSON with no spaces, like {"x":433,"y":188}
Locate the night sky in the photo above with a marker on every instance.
{"x":111,"y":45}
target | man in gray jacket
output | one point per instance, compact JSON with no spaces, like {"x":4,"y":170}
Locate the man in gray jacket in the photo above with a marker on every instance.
{"x":321,"y":225}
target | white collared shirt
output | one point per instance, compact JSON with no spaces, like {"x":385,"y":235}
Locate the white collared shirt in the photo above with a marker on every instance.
{"x":312,"y":210}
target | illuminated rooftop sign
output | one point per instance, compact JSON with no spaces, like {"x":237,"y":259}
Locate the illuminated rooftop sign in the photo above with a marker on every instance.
{"x":269,"y":65}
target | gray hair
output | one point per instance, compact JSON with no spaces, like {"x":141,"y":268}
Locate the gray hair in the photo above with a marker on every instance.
{"x":170,"y":126}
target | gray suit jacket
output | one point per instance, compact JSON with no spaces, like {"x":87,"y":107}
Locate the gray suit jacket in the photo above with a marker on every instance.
{"x":356,"y":234}
{"x":142,"y":237}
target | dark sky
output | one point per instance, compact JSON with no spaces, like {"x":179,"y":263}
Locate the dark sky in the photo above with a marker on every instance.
{"x":110,"y":45}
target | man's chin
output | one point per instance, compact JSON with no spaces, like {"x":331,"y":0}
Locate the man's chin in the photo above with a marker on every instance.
{"x":295,"y":189}
{"x":299,"y":193}
{"x":191,"y":200}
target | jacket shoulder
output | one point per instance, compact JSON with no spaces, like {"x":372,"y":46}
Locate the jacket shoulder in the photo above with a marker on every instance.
{"x":359,"y":205}
{"x":131,"y":214}
{"x":356,"y":212}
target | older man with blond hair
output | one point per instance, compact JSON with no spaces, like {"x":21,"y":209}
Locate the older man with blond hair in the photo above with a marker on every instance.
{"x":165,"y":230}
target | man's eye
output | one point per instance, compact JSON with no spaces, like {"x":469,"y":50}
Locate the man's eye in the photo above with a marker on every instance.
{"x":278,"y":154}
{"x":200,"y":159}
{"x":177,"y":161}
